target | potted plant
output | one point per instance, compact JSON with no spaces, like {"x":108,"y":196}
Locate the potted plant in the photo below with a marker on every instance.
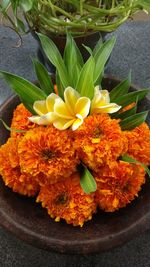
{"x":84,"y":19}
{"x":75,"y":145}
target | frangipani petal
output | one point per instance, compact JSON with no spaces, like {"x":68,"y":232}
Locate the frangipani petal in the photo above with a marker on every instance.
{"x":60,"y":108}
{"x":63,"y":124}
{"x":47,"y":119}
{"x":82,"y":106}
{"x":97,"y":95}
{"x":105,"y":95}
{"x":34,"y":119}
{"x":101,"y":102}
{"x":110,"y":108}
{"x":77,"y":122}
{"x":98,"y":98}
{"x":50,"y":101}
{"x":71,"y":96}
{"x":40,"y":107}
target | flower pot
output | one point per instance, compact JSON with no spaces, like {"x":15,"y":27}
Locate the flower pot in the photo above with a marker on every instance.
{"x":29,"y":222}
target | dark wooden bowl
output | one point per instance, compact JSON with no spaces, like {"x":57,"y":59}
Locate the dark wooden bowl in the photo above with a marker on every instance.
{"x":29,"y":222}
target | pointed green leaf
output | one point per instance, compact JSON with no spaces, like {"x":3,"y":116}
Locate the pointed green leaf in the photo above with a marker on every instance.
{"x":55,"y":57}
{"x":129,"y":98}
{"x":59,"y":86}
{"x":125,"y":114}
{"x":87,"y":181}
{"x":27,"y":91}
{"x":74,"y":51}
{"x":121,"y":89}
{"x":129,"y":159}
{"x":85,"y":85}
{"x":89,"y":50}
{"x":43,"y":77}
{"x":73,"y":60}
{"x":98,"y":46}
{"x":133,"y":121}
{"x":101,"y":57}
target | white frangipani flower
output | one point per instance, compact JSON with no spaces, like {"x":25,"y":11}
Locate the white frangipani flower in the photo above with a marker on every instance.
{"x":45,"y":110}
{"x":101,"y":102}
{"x":72,"y":111}
{"x":62,"y":114}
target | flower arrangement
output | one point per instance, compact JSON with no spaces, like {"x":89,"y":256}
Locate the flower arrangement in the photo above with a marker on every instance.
{"x":77,"y":16}
{"x":73,"y":145}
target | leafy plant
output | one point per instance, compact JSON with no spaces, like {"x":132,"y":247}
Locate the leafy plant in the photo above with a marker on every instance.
{"x":75,"y":16}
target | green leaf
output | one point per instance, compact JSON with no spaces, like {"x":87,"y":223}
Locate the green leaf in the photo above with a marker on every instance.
{"x":28,"y":92}
{"x":59,"y":86}
{"x":87,"y":181}
{"x":55,"y":57}
{"x":12,"y":129}
{"x":5,"y":4}
{"x":43,"y":77}
{"x":85,"y":85}
{"x":89,"y":50}
{"x":98,"y":46}
{"x":129,"y":98}
{"x":142,"y":4}
{"x":133,"y":121}
{"x":26,"y":4}
{"x":20,"y":25}
{"x":15,"y":5}
{"x":73,"y":60}
{"x":101,"y":56}
{"x":125,"y":114}
{"x":129,"y":159}
{"x":121,"y":89}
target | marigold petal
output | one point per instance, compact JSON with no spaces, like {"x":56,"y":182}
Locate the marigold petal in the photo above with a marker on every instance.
{"x":20,"y":121}
{"x":40,"y":107}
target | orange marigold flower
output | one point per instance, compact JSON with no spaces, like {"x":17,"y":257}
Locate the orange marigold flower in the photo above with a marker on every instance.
{"x":139,"y":143}
{"x":13,"y":177}
{"x":20,"y":120}
{"x":99,"y":140}
{"x":119,"y":185}
{"x":68,"y":201}
{"x":48,"y":153}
